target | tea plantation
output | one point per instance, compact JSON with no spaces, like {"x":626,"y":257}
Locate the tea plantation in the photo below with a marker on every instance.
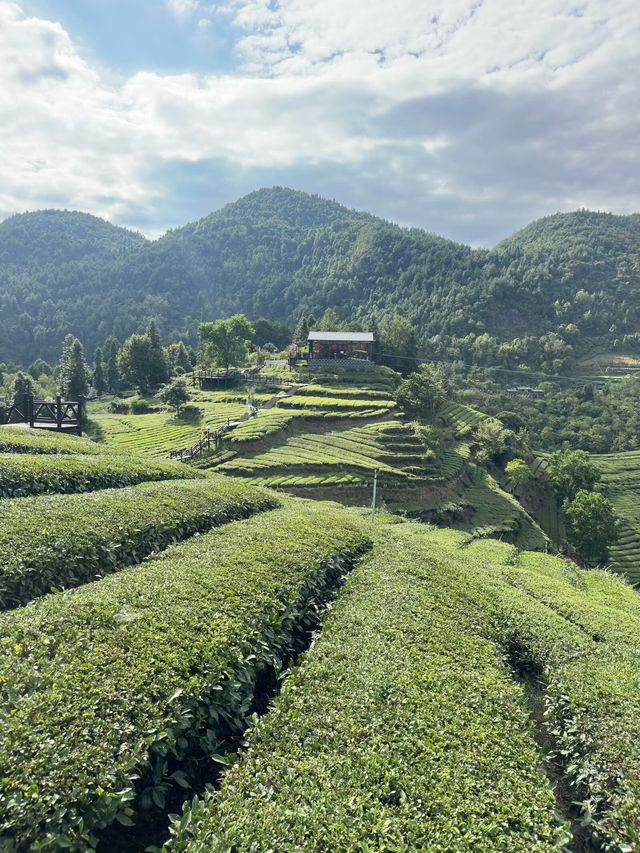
{"x":231,"y":655}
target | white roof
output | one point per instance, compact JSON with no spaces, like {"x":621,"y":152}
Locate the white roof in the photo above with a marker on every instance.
{"x":354,"y":337}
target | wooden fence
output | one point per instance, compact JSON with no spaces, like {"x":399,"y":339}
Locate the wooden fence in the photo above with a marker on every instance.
{"x":60,"y":415}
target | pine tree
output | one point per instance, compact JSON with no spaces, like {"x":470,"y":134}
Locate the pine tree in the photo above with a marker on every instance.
{"x":22,"y":390}
{"x":301,"y":332}
{"x":110,"y":365}
{"x":158,"y":369}
{"x":74,"y":373}
{"x":98,"y":374}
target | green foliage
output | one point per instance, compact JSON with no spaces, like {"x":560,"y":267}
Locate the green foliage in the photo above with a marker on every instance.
{"x":178,"y":357}
{"x":22,"y":391}
{"x":33,"y":474}
{"x":278,"y":254}
{"x":272,"y":332}
{"x":402,"y":724}
{"x":135,"y":360}
{"x":153,"y":668}
{"x":226,"y":342}
{"x":158,"y":368}
{"x":423,"y":393}
{"x":99,"y":381}
{"x":175,"y":394}
{"x":73,"y":370}
{"x":397,"y":344}
{"x":493,"y":441}
{"x":52,"y":542}
{"x":518,"y":473}
{"x":571,"y":472}
{"x":111,"y":369}
{"x":42,"y":441}
{"x":591,"y":525}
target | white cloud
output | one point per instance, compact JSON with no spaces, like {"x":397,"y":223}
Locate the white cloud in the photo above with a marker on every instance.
{"x":447,"y":113}
{"x":182,"y":8}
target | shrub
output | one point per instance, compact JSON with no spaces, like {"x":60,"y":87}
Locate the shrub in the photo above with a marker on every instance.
{"x":139,"y":406}
{"x":23,"y":474}
{"x":41,"y":441}
{"x":57,"y":541}
{"x":119,"y":407}
{"x":407,"y":731}
{"x":152,"y":669}
{"x":191,"y":413}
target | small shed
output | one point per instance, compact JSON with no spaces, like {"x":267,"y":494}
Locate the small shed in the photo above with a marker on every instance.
{"x":343,"y":346}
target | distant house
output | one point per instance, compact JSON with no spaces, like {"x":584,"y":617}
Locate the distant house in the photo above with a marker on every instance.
{"x":525,"y":391}
{"x":336,"y":349}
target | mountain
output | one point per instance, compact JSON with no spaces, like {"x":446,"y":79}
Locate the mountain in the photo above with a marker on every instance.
{"x":571,"y":279}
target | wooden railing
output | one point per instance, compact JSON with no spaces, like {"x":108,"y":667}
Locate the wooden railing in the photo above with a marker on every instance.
{"x":58,"y":414}
{"x":208,"y":440}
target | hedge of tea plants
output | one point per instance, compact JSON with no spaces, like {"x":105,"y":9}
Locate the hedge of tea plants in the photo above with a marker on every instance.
{"x":401,"y":731}
{"x":56,"y":541}
{"x":114,"y":692}
{"x":23,"y":474}
{"x":407,"y":727}
{"x":15,"y":440}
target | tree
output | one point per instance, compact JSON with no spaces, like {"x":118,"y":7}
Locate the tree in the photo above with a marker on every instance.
{"x":175,"y":394}
{"x":73,"y":373}
{"x":22,"y":391}
{"x":518,"y":473}
{"x":178,"y":356}
{"x":571,"y":472}
{"x":134,"y":360}
{"x":98,"y":374}
{"x":158,"y":370}
{"x":301,"y":331}
{"x":492,"y":439}
{"x":226,"y":342}
{"x":40,"y":368}
{"x":329,"y":322}
{"x":591,"y":525}
{"x":110,"y":364}
{"x":423,"y":393}
{"x":273,"y":331}
{"x":398,"y":343}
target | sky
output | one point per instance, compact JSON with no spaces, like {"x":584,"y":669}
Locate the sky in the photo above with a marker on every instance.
{"x":468,"y":118}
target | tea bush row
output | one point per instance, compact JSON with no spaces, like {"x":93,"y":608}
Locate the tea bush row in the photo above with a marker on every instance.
{"x":28,"y":474}
{"x":16,"y":440}
{"x":401,"y":731}
{"x":115,"y":692}
{"x":56,"y":541}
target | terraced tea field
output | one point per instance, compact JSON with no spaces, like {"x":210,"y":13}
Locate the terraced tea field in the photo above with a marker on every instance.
{"x":621,"y":482}
{"x":163,"y":617}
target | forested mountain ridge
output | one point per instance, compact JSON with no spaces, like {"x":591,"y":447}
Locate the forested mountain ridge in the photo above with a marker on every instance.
{"x":572,"y":280}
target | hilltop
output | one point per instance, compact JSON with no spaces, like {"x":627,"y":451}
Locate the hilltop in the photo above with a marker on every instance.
{"x":278,"y":252}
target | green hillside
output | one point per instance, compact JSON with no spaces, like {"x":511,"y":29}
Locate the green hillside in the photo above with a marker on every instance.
{"x":205,"y":664}
{"x":277,"y":252}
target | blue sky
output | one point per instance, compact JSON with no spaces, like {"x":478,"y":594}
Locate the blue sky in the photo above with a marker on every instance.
{"x":468,"y":118}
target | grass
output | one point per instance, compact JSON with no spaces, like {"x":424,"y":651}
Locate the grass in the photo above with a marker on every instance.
{"x":409,"y":725}
{"x":26,"y":474}
{"x":56,"y":541}
{"x":107,"y":689}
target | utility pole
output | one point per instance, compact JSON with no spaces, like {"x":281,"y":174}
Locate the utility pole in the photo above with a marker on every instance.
{"x":375,"y":489}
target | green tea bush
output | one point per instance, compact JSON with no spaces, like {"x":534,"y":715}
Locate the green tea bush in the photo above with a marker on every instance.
{"x":27,"y":474}
{"x":401,"y":731}
{"x":57,"y":541}
{"x":114,"y":692}
{"x":14,"y":440}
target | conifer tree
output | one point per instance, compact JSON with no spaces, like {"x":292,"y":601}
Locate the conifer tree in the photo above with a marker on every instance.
{"x":158,"y":369}
{"x":110,"y":365}
{"x":74,"y":373}
{"x":22,"y":390}
{"x":98,"y":374}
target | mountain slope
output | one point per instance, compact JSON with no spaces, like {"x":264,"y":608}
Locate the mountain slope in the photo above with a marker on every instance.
{"x":277,"y":252}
